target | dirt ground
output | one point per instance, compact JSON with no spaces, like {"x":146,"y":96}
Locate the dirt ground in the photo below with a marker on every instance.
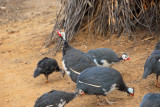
{"x":22,"y":46}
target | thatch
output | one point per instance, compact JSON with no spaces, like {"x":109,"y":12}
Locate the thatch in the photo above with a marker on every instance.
{"x":106,"y":16}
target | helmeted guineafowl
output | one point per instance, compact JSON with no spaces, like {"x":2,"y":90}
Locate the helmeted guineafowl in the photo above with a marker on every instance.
{"x":151,"y":100}
{"x":152,"y":65}
{"x":106,"y":57}
{"x":56,"y":98}
{"x":101,"y":81}
{"x":74,"y":60}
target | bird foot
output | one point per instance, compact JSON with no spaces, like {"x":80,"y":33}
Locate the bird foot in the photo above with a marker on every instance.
{"x":63,"y":72}
{"x":100,"y":103}
{"x":109,"y":102}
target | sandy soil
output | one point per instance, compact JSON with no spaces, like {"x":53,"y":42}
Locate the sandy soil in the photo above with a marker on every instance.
{"x":21,"y":47}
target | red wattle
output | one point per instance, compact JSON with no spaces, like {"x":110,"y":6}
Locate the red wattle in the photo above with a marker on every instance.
{"x":83,"y":93}
{"x":58,"y":33}
{"x":132,"y":94}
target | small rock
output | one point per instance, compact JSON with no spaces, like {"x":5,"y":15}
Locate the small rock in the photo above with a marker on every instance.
{"x":68,"y":83}
{"x":11,"y":32}
{"x":7,"y":100}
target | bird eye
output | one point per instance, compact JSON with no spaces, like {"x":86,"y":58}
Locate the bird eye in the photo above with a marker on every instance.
{"x":81,"y":92}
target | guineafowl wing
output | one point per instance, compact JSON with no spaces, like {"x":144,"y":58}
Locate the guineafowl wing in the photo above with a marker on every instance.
{"x":99,"y":75}
{"x":78,"y":60}
{"x":151,"y":64}
{"x":83,"y":63}
{"x":104,"y":54}
{"x":98,"y":80}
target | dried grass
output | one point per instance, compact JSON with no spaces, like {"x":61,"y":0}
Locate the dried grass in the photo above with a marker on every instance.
{"x":106,"y":16}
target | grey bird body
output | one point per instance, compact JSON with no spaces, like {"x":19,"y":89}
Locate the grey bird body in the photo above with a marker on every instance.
{"x":152,"y":64}
{"x":104,"y":57}
{"x":100,"y":81}
{"x":151,"y":100}
{"x":54,"y":98}
{"x":74,"y":60}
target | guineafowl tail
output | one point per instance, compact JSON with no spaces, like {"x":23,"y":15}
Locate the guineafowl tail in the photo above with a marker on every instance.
{"x":146,"y":72}
{"x":37,"y":72}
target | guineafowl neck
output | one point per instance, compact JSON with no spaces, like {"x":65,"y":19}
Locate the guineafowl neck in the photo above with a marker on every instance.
{"x":122,"y":87}
{"x":66,"y":47}
{"x":120,"y":58}
{"x":72,"y":95}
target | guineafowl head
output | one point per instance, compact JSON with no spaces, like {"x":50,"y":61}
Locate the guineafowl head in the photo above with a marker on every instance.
{"x":130,"y":91}
{"x":79,"y":92}
{"x":125,"y":57}
{"x":61,"y":33}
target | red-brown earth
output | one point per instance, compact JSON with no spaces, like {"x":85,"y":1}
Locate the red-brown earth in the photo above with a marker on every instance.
{"x":22,"y":46}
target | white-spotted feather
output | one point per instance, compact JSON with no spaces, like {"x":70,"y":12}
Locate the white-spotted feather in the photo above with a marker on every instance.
{"x":113,"y":87}
{"x":62,"y":103}
{"x":90,"y":84}
{"x":65,"y":68}
{"x":105,"y":63}
{"x":75,"y":71}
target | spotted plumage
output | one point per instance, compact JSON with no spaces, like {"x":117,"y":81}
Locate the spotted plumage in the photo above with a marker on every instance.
{"x":152,"y":65}
{"x":106,"y":57}
{"x":151,"y":100}
{"x":74,"y":60}
{"x":56,"y":98}
{"x":101,"y":81}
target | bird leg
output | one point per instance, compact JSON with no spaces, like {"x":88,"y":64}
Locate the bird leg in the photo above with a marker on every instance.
{"x":63,"y":72}
{"x":46,"y":76}
{"x":109,"y":102}
{"x":98,"y":101}
{"x":157,"y":82}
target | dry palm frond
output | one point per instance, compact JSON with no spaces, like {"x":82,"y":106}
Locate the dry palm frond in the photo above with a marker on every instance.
{"x":103,"y":16}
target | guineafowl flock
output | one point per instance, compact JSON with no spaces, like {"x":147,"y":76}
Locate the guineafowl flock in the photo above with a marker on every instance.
{"x":93,"y":75}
